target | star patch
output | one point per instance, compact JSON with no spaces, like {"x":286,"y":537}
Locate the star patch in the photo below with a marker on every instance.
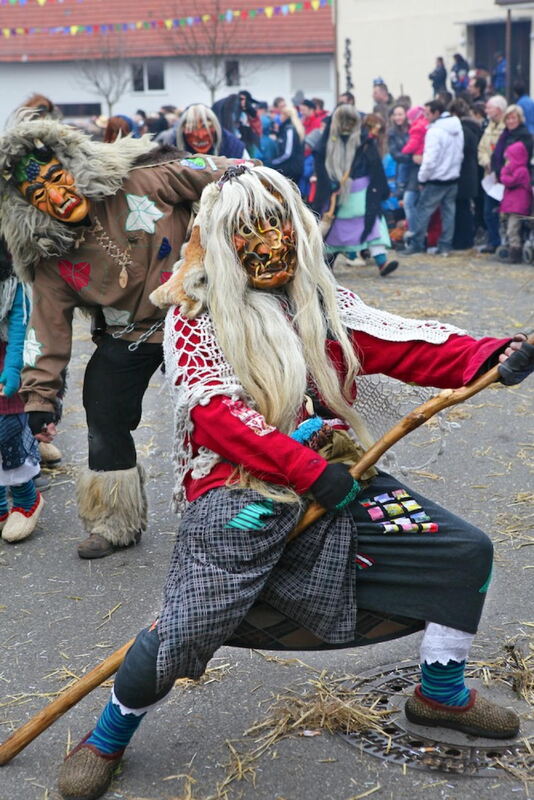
{"x":164,"y":248}
{"x":143,"y":215}
{"x":32,"y":348}
{"x":194,"y":163}
{"x":76,"y":275}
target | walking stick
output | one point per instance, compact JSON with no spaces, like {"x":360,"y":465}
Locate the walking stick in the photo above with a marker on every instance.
{"x":41,"y":721}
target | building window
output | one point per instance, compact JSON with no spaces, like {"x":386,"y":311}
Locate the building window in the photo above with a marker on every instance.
{"x":148,"y":76}
{"x":231,"y":69}
{"x":72,"y":110}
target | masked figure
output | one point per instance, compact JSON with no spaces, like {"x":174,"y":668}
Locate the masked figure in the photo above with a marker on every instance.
{"x":96,"y":226}
{"x":199,"y":131}
{"x":351,"y":187}
{"x":263,"y":365}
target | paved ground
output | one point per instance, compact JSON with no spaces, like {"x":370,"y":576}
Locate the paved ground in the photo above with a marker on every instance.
{"x":59,"y":616}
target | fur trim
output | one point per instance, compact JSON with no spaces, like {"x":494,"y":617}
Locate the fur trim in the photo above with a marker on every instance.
{"x":113,"y":504}
{"x":181,"y":288}
{"x":160,"y":155}
{"x":99,"y":169}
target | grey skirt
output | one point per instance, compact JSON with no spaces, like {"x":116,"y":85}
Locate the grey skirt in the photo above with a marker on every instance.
{"x":402,"y":559}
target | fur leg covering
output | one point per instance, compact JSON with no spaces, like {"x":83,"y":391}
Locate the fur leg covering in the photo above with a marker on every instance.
{"x":113,"y":504}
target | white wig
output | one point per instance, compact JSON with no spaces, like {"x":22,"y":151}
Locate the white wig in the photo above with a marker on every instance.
{"x":275,"y":341}
{"x":189,"y":120}
{"x":340,"y":150}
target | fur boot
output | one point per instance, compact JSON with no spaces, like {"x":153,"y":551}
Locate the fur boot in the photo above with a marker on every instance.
{"x":113,"y":504}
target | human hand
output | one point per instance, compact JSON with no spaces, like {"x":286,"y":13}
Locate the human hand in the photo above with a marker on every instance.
{"x":517,"y":361}
{"x":39,"y":421}
{"x":417,"y":159}
{"x":47,"y":434}
{"x":9,"y":381}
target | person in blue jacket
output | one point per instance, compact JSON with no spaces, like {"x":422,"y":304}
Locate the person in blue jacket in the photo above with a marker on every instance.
{"x":526,"y":103}
{"x":19,"y":456}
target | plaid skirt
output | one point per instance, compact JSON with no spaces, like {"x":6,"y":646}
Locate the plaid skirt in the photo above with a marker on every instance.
{"x":401,"y":558}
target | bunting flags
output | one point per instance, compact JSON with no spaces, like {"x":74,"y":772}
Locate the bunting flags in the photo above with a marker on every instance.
{"x":169,"y":24}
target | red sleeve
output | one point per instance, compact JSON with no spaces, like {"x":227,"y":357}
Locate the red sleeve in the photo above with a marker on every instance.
{"x":241,"y":436}
{"x":446,"y":366}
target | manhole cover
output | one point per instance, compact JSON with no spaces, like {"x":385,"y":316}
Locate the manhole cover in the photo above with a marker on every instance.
{"x":438,"y":749}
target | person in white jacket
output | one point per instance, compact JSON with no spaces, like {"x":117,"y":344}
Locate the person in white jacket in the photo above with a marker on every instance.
{"x":438,"y":176}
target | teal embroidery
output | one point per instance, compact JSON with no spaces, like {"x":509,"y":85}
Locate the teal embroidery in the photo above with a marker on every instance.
{"x":483,"y":589}
{"x":352,"y":495}
{"x":143,"y":215}
{"x":33,"y":348}
{"x":251,"y":517}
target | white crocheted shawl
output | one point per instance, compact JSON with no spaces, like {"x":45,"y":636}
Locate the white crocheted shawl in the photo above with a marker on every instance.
{"x":204,"y":373}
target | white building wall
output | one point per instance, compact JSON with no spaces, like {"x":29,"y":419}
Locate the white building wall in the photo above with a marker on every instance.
{"x":399,"y":41}
{"x":264,"y":77}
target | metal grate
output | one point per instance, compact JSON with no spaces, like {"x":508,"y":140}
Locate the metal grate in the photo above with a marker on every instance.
{"x":434,"y":749}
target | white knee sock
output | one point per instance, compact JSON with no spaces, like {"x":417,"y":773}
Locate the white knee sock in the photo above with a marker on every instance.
{"x":443,"y":644}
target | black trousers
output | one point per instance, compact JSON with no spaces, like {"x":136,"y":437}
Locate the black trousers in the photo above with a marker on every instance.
{"x":115,"y":382}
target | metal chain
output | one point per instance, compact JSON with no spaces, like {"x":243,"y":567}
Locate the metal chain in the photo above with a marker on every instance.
{"x":132,"y":347}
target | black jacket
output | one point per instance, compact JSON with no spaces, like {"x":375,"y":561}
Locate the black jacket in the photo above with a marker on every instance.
{"x":290,"y":158}
{"x":520,"y":134}
{"x":468,"y":183}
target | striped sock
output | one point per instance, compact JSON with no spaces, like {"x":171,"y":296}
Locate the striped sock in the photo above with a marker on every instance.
{"x":4,"y":508}
{"x":24,"y":496}
{"x":445,"y":683}
{"x":114,"y":729}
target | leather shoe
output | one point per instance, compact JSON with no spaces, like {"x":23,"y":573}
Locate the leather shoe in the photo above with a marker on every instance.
{"x":95,"y":546}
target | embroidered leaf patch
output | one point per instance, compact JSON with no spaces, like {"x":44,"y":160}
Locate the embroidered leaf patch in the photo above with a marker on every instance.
{"x":76,"y":275}
{"x":164,"y":248}
{"x":143,"y":215}
{"x":32,"y":348}
{"x":194,"y":163}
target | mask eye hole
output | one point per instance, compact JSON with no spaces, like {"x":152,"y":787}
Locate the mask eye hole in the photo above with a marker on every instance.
{"x":246,"y":231}
{"x":273,"y":221}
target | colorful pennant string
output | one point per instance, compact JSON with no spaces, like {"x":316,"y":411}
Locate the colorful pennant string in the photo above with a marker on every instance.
{"x":169,"y":24}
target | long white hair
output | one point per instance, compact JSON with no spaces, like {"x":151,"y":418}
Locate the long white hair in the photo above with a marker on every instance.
{"x":189,"y":120}
{"x":275,"y":341}
{"x":340,"y":150}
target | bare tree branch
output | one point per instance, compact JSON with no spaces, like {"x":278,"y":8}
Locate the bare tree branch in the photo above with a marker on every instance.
{"x":208,"y":46}
{"x":110,"y":75}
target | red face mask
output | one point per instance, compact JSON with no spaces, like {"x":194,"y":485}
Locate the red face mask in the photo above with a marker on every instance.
{"x":199,"y":139}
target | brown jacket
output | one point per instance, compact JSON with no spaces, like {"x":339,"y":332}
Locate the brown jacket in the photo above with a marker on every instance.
{"x":126,"y":252}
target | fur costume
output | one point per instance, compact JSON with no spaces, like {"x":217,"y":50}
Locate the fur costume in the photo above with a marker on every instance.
{"x":99,"y":171}
{"x":107,"y":262}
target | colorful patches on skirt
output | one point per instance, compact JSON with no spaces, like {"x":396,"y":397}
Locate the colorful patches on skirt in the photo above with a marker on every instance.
{"x":363,"y":561}
{"x":252,"y":516}
{"x":398,"y":512}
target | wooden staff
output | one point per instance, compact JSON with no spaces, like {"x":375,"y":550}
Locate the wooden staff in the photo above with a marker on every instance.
{"x":41,"y":721}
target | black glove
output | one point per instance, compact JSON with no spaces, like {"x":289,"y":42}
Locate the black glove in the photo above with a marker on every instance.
{"x":518,"y":366}
{"x":38,"y":419}
{"x":335,"y":488}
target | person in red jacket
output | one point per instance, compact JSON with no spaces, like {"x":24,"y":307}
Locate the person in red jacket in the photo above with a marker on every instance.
{"x":262,"y":352}
{"x":414,"y":146}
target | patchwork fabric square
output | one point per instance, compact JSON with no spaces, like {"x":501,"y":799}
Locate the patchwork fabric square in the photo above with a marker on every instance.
{"x":398,"y":512}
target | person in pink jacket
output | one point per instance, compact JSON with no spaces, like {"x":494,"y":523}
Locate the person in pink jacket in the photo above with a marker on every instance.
{"x":414,"y":147}
{"x":517,"y":200}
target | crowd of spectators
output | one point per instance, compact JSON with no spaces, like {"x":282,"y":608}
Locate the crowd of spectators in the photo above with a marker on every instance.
{"x":451,"y":165}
